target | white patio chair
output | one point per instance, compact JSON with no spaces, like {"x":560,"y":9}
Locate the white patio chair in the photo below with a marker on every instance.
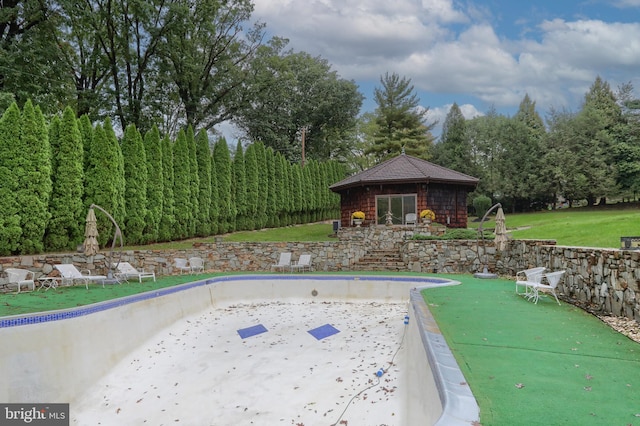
{"x":303,"y":263}
{"x":21,"y":277}
{"x":283,"y":262}
{"x":182,"y":265}
{"x":410,"y":219}
{"x":552,"y":279}
{"x":527,"y":278}
{"x":126,"y":271}
{"x":71,"y":274}
{"x":196,"y":264}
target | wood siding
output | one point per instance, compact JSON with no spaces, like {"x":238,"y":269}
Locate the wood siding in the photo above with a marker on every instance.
{"x":449,"y":202}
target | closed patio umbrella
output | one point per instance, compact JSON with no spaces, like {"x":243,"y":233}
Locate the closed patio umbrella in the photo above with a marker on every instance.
{"x":91,"y":246}
{"x":500,"y":231}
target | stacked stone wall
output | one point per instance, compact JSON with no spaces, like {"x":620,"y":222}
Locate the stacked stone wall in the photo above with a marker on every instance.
{"x":606,"y":280}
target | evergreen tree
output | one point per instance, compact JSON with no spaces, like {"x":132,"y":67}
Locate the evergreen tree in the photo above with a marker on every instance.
{"x":194,"y":181}
{"x":454,"y":149}
{"x":182,"y":187}
{"x":214,"y":208}
{"x":222,"y":161}
{"x":270,"y":205}
{"x":239,"y":190}
{"x":297,"y":187}
{"x":309,"y":192}
{"x":102,"y":185}
{"x":263,"y":183}
{"x":34,"y":179}
{"x":203,"y":157}
{"x":10,"y":230}
{"x":86,"y":133}
{"x":254,"y":201}
{"x":65,"y":230}
{"x":602,"y":115}
{"x":119,"y":207}
{"x":155,"y":185}
{"x":166,"y":231}
{"x":280,"y":191}
{"x":135,"y":174}
{"x":401,"y":122}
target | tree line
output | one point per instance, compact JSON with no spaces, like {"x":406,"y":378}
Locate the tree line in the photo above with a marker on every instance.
{"x":173,"y":64}
{"x":528,"y":163}
{"x":156,"y":188}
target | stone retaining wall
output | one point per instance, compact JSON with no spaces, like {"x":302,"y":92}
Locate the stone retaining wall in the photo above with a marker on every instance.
{"x":607,"y":280}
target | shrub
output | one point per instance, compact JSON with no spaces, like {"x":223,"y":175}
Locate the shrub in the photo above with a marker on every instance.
{"x":481,"y":204}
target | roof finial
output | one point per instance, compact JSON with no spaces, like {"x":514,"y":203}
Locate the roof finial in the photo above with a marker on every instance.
{"x":402,"y":149}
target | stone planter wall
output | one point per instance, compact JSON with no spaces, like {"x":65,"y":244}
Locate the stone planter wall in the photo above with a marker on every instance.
{"x":608,"y":280}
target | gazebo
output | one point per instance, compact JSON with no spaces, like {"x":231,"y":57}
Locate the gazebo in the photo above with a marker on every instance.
{"x":405,"y":185}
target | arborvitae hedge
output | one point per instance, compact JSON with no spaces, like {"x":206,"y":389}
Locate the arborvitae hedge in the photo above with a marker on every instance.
{"x":182,"y":187}
{"x":102,"y":187}
{"x":155,"y":185}
{"x":65,"y":230}
{"x":253,"y":199}
{"x":223,"y":174}
{"x":135,"y":174}
{"x":270,"y":207}
{"x":195,"y":181}
{"x":34,"y":180}
{"x":263,"y":184}
{"x":10,"y":230}
{"x":168,"y":219}
{"x":118,"y":211}
{"x":244,"y":218}
{"x":214,"y":210}
{"x":203,"y":156}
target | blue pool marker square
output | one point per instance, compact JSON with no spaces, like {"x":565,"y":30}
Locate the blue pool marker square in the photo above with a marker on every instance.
{"x":252,"y":331}
{"x":324,"y":331}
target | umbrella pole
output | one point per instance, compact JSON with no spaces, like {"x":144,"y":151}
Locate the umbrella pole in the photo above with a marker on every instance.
{"x":485,"y":271}
{"x":118,"y":233}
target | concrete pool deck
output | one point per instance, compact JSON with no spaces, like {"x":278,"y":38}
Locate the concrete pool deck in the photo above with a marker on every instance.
{"x":177,"y":356}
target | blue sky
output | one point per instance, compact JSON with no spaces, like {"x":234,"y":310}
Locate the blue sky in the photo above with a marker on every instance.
{"x":479,"y":54}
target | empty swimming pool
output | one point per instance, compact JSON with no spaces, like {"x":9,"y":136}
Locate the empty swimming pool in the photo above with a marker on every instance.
{"x":246,"y":350}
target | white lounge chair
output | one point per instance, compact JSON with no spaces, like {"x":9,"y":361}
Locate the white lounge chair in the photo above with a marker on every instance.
{"x":196,"y":264}
{"x":71,"y":274}
{"x":182,"y":264}
{"x":283,"y":262}
{"x":551,"y":279}
{"x":303,"y":263}
{"x":527,"y":278}
{"x":126,"y":271}
{"x":21,"y":277}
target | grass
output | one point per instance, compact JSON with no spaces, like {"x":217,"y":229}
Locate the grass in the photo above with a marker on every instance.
{"x":580,"y":227}
{"x":544,"y":364}
{"x":309,"y":232}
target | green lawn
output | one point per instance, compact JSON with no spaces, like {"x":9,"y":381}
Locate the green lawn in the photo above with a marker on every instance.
{"x":574,"y":227}
{"x":584,"y":227}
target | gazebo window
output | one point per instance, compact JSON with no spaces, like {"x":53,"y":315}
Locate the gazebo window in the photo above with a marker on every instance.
{"x":398,"y":204}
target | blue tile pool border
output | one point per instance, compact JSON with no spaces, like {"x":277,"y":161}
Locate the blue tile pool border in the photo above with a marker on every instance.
{"x":69,"y":313}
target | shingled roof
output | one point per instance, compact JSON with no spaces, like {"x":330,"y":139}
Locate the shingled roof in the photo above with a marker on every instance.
{"x":405,"y":169}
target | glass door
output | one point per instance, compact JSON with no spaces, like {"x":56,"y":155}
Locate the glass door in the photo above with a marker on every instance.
{"x":395,"y":207}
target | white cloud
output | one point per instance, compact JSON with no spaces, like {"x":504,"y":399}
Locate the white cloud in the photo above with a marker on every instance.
{"x":444,"y":49}
{"x":627,"y":3}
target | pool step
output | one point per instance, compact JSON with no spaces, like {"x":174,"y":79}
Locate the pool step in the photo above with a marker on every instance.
{"x":380,"y":260}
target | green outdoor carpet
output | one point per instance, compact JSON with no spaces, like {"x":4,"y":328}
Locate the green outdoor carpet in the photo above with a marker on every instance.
{"x":538,"y":364}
